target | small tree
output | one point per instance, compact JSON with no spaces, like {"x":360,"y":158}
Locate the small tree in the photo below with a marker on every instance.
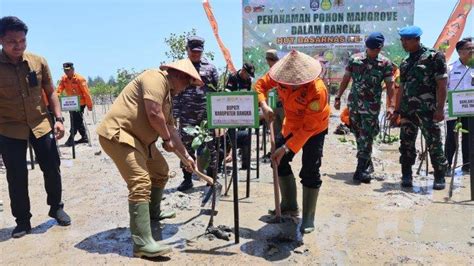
{"x":124,"y":77}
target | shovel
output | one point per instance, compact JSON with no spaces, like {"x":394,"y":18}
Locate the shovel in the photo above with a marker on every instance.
{"x":213,"y":185}
{"x":276,"y":184}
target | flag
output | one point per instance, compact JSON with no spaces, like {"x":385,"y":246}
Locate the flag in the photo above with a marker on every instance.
{"x":454,"y":27}
{"x":215,"y":29}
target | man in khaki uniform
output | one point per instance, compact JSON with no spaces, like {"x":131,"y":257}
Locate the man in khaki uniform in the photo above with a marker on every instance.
{"x":24,"y":79}
{"x":142,"y":113}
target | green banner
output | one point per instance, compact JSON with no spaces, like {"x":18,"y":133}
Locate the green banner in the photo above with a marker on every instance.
{"x":330,"y":30}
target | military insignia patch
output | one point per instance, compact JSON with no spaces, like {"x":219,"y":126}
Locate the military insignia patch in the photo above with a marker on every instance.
{"x":314,"y":106}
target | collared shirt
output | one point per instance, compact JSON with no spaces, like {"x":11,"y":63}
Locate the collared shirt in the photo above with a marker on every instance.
{"x":22,"y":108}
{"x":461,"y":77}
{"x":75,"y":86}
{"x":127,"y":117}
{"x":306,"y":109}
{"x":367,"y":75}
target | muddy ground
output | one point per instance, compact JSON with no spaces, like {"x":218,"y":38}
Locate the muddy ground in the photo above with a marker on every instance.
{"x":355,"y":224}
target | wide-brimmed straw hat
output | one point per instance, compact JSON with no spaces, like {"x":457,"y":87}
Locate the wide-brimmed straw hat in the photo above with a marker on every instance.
{"x":184,"y":65}
{"x":295,"y":68}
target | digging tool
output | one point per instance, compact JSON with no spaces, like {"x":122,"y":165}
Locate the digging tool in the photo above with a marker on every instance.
{"x":276,"y":184}
{"x":201,"y":175}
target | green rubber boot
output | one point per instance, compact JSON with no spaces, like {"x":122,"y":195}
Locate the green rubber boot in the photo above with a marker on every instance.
{"x":310,"y":198}
{"x":143,"y":242}
{"x":155,"y":206}
{"x":288,"y":204}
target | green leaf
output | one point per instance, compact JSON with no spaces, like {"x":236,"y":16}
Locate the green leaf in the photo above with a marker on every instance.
{"x":204,"y":158}
{"x":465,"y":131}
{"x":196,"y":143}
{"x":192,"y":131}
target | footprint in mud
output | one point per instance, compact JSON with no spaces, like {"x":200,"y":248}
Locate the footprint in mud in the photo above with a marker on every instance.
{"x":274,"y":241}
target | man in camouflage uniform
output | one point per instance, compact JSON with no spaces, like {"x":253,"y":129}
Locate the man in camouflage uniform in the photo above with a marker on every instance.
{"x":423,"y":79}
{"x":367,"y":71}
{"x":189,"y":107}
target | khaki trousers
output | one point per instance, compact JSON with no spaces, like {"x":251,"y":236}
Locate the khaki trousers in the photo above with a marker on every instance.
{"x":140,"y":171}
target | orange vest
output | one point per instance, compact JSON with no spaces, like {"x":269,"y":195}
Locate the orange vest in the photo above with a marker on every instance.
{"x":306,"y":109}
{"x":77,"y":85}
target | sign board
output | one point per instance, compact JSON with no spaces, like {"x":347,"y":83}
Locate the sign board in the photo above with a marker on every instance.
{"x":70,"y":103}
{"x":232,"y":109}
{"x":331,"y":30}
{"x":461,"y":103}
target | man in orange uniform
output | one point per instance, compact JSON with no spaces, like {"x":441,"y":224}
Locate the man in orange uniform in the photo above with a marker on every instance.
{"x":304,"y":98}
{"x":75,"y":85}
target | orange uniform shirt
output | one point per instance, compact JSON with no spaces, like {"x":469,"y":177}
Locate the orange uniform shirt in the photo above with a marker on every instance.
{"x":77,"y":85}
{"x":306,"y":109}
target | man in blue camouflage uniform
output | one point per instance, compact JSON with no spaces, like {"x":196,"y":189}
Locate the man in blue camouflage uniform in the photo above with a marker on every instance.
{"x":241,"y":81}
{"x":367,"y":70}
{"x":189,"y":107}
{"x":423,"y":80}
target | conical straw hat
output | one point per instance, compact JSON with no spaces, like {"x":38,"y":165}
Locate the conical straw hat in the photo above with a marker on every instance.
{"x":296,"y":68}
{"x":184,"y":65}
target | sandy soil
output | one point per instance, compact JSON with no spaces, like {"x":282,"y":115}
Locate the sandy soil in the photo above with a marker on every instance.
{"x":356,"y":224}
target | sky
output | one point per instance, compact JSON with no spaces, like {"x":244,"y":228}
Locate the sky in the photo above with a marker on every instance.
{"x":101,"y":36}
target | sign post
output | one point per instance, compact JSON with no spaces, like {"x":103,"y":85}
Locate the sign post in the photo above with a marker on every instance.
{"x":461,"y":104}
{"x":71,"y":104}
{"x":233,"y":110}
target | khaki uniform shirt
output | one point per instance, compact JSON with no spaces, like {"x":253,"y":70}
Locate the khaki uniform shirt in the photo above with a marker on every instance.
{"x":127,"y":118}
{"x":22,"y":108}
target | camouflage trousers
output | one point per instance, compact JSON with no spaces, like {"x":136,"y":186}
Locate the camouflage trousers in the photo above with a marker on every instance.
{"x":410,"y":122}
{"x":187,"y":141}
{"x":364,"y":127}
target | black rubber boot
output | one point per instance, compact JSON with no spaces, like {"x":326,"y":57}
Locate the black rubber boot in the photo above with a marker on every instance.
{"x":361,"y":174}
{"x":439,"y":181}
{"x":370,"y":168}
{"x":407,"y":176}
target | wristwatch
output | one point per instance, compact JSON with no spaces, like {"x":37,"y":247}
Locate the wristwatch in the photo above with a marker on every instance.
{"x":286,"y":148}
{"x":59,"y":119}
{"x":337,"y":98}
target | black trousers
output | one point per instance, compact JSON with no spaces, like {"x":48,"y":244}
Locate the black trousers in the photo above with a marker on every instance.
{"x":311,"y":160}
{"x":450,"y":146}
{"x":14,"y":158}
{"x":77,"y":117}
